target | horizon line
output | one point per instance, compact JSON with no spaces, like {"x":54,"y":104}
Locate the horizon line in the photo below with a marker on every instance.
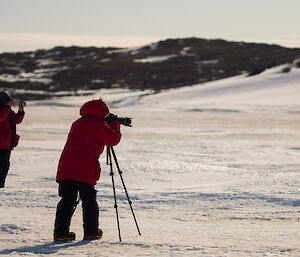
{"x":29,"y":42}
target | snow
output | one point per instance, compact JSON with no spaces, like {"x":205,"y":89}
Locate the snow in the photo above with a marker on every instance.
{"x":212,"y":170}
{"x":208,"y":62}
{"x":32,"y":77}
{"x":152,"y":59}
{"x":272,"y":89}
{"x":134,"y":50}
{"x":49,"y":61}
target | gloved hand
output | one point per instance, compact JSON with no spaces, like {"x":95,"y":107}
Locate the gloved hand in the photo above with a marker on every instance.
{"x":111,"y":117}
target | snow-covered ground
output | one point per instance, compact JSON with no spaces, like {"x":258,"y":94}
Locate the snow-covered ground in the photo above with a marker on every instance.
{"x":212,"y":170}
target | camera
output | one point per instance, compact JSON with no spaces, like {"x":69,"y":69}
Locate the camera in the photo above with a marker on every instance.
{"x":20,"y":103}
{"x":124,"y":121}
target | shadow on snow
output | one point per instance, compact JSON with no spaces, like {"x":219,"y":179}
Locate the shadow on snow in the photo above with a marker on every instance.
{"x":47,"y":248}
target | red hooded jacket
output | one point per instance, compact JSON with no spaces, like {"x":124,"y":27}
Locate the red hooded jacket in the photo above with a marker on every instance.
{"x":8,"y":120}
{"x":86,"y":140}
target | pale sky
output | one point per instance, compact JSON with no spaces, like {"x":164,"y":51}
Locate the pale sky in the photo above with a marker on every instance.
{"x":36,"y":24}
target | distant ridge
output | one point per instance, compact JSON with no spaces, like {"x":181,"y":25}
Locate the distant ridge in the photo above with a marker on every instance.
{"x":165,"y":64}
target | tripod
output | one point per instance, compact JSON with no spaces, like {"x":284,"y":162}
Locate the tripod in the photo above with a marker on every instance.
{"x":109,"y":151}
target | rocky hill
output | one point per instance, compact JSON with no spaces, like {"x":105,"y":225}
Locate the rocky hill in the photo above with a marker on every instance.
{"x":165,"y":64}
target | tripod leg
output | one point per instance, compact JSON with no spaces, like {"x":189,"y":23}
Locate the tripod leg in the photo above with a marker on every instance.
{"x":114,"y":190}
{"x":123,"y":183}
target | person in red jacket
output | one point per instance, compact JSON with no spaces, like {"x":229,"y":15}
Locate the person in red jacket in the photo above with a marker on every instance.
{"x":8,"y":136}
{"x":79,"y":169}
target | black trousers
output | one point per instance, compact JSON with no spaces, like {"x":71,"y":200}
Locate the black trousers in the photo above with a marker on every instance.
{"x":68,"y":191}
{"x":4,"y":165}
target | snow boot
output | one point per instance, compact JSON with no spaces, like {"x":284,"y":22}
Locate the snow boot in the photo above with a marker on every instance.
{"x":64,"y":237}
{"x":98,"y":235}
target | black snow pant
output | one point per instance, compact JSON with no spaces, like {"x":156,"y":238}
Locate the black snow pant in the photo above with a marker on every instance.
{"x":68,"y":191}
{"x":4,"y":165}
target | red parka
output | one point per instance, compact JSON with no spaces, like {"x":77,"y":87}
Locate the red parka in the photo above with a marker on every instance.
{"x":8,"y":120}
{"x":86,"y":140}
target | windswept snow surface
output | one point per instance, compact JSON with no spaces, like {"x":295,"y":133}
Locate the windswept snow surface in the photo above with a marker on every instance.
{"x":211,"y":169}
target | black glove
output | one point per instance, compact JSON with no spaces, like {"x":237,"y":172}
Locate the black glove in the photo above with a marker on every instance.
{"x":111,"y":117}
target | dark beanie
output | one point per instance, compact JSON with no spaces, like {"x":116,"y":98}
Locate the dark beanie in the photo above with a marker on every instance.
{"x":4,"y":98}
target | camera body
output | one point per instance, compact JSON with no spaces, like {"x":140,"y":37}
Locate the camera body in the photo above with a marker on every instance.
{"x":124,"y":121}
{"x":20,"y":103}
